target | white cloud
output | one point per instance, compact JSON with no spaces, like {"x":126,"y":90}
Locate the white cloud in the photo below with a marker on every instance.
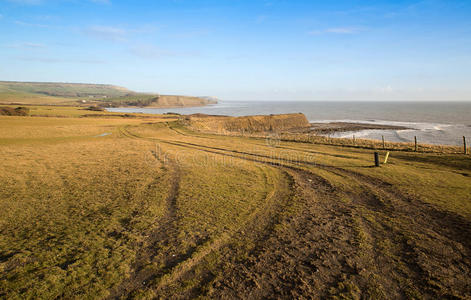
{"x":315,"y":32}
{"x":109,"y":33}
{"x":261,"y":19}
{"x":60,"y":60}
{"x":38,"y":2}
{"x":337,"y":30}
{"x":26,"y":45}
{"x":101,"y":1}
{"x":26,"y":2}
{"x":150,"y":52}
{"x":117,"y":34}
{"x":32,"y":24}
{"x":387,"y":89}
{"x":343,"y":30}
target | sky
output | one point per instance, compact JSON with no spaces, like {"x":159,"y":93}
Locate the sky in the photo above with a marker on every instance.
{"x":245,"y":50}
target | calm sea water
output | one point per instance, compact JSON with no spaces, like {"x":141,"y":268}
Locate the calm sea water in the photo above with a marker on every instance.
{"x":431,"y":122}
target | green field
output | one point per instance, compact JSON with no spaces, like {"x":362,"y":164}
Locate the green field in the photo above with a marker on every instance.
{"x":63,"y":89}
{"x":112,"y":206}
{"x":73,"y":94}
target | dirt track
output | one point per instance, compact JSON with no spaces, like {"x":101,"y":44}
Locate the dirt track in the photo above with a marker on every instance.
{"x":312,"y":239}
{"x":158,"y":246}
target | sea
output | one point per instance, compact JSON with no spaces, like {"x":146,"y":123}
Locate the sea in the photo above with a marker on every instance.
{"x":431,"y":122}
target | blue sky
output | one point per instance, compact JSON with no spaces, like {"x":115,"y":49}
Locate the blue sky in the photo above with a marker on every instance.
{"x":245,"y":50}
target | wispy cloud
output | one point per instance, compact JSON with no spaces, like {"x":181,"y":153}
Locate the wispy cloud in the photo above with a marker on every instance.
{"x":26,"y":45}
{"x":109,"y":33}
{"x":60,"y":60}
{"x":337,"y":30}
{"x":26,"y":2}
{"x":386,"y":89}
{"x":101,"y":1}
{"x":191,"y":33}
{"x":260,"y":19}
{"x":344,"y":30}
{"x":150,"y":52}
{"x":39,"y":2}
{"x":357,"y":10}
{"x":46,"y":17}
{"x":117,"y":34}
{"x":21,"y":23}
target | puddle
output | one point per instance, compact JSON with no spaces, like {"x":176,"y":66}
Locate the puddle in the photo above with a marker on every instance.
{"x":103,"y":134}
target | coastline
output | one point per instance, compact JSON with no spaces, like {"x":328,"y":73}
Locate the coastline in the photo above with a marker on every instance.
{"x":432,"y":122}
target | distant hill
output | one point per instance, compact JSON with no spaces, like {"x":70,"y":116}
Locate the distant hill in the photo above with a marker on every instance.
{"x":105,"y":95}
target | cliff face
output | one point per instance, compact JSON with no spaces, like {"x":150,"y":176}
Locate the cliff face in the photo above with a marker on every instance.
{"x":180,"y":101}
{"x":270,"y":123}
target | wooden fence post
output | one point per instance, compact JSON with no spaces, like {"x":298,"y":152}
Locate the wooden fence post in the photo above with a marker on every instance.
{"x":376,"y":159}
{"x":415,"y":140}
{"x":464,"y":145}
{"x":384,"y":145}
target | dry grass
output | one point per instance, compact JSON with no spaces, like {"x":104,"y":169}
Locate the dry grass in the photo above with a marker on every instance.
{"x":26,"y":98}
{"x":156,"y":210}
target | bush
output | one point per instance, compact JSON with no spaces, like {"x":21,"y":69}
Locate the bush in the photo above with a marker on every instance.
{"x":10,"y":111}
{"x":95,"y":108}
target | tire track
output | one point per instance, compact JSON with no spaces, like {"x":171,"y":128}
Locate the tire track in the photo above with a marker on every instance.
{"x":273,"y":206}
{"x":259,"y":225}
{"x":293,"y":171}
{"x":413,"y":218}
{"x":158,"y":240}
{"x":462,"y":232}
{"x":164,"y":234}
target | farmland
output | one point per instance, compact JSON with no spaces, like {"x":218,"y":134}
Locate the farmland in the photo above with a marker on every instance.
{"x":114,"y":206}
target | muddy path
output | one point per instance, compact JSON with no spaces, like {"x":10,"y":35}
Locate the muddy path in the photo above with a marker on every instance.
{"x":368,"y":241}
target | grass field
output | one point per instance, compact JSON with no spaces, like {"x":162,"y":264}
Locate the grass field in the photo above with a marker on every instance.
{"x":143,"y":207}
{"x":73,"y":94}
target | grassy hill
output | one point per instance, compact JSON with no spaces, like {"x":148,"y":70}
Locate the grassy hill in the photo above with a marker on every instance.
{"x":116,"y":206}
{"x":44,"y":93}
{"x":64,"y":89}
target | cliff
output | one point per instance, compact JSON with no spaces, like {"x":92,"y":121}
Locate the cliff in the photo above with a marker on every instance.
{"x":269,"y":123}
{"x":180,"y":101}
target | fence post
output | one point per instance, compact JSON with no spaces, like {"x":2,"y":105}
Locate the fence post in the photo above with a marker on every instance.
{"x":384,"y":145}
{"x":415,"y":141}
{"x":376,"y":159}
{"x":464,"y":145}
